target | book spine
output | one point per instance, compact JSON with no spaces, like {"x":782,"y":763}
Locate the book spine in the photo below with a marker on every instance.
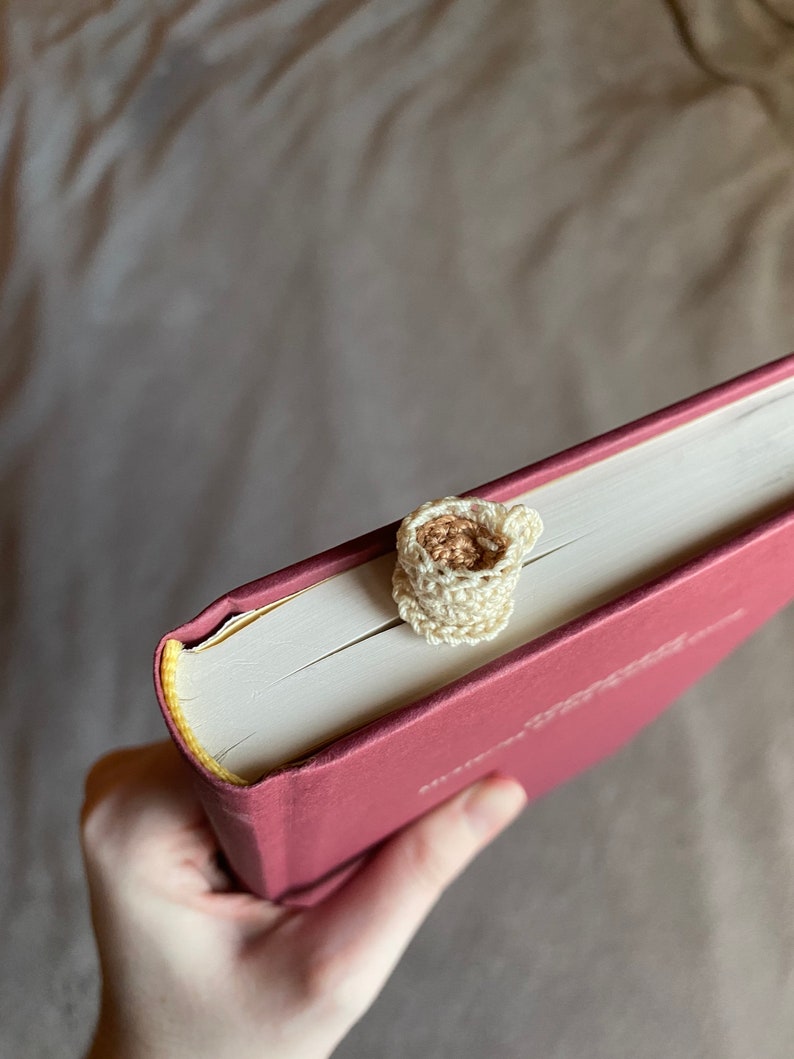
{"x":250,"y":827}
{"x":302,"y":791}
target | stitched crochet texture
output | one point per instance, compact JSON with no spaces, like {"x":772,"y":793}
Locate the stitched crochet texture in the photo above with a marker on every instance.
{"x":458,"y":563}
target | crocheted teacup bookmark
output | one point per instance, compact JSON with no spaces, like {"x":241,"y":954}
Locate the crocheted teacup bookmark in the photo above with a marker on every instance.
{"x":458,"y":563}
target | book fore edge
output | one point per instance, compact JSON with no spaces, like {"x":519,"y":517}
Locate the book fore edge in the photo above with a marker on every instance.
{"x":168,"y":664}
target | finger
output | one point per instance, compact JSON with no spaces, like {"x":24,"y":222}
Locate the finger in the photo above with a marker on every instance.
{"x":143,"y":828}
{"x":353,"y":940}
{"x":152,"y":776}
{"x":140,"y":810}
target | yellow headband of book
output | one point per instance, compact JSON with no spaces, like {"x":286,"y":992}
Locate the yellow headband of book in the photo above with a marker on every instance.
{"x":168,"y":663}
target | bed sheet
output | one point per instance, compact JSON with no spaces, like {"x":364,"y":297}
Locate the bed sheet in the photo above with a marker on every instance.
{"x":273,"y":273}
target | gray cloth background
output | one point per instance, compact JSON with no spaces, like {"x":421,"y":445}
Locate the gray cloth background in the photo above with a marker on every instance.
{"x":273,"y":273}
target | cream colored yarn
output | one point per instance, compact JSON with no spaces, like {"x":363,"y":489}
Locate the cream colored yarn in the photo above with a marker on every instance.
{"x":458,"y":563}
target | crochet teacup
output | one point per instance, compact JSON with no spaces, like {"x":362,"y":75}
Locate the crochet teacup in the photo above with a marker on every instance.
{"x":458,"y":563}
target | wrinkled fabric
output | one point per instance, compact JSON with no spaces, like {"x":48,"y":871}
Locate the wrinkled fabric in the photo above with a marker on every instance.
{"x":275,"y":273}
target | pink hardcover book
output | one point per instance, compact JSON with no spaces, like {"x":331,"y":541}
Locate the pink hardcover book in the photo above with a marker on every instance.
{"x":317,"y":723}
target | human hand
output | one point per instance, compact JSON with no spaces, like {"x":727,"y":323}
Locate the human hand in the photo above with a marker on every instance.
{"x":192,"y":967}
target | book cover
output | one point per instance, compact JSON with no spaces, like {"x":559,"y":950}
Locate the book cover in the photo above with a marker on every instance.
{"x":541,"y":712}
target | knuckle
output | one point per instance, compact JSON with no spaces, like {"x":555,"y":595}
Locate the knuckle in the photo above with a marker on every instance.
{"x":102,"y":795}
{"x":425,"y":862}
{"x":333,"y":981}
{"x":96,"y":824}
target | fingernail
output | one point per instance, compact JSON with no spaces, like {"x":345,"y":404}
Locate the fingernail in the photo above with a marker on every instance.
{"x":492,"y":804}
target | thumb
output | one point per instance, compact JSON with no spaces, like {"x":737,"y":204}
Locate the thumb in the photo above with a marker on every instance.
{"x":354,"y":939}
